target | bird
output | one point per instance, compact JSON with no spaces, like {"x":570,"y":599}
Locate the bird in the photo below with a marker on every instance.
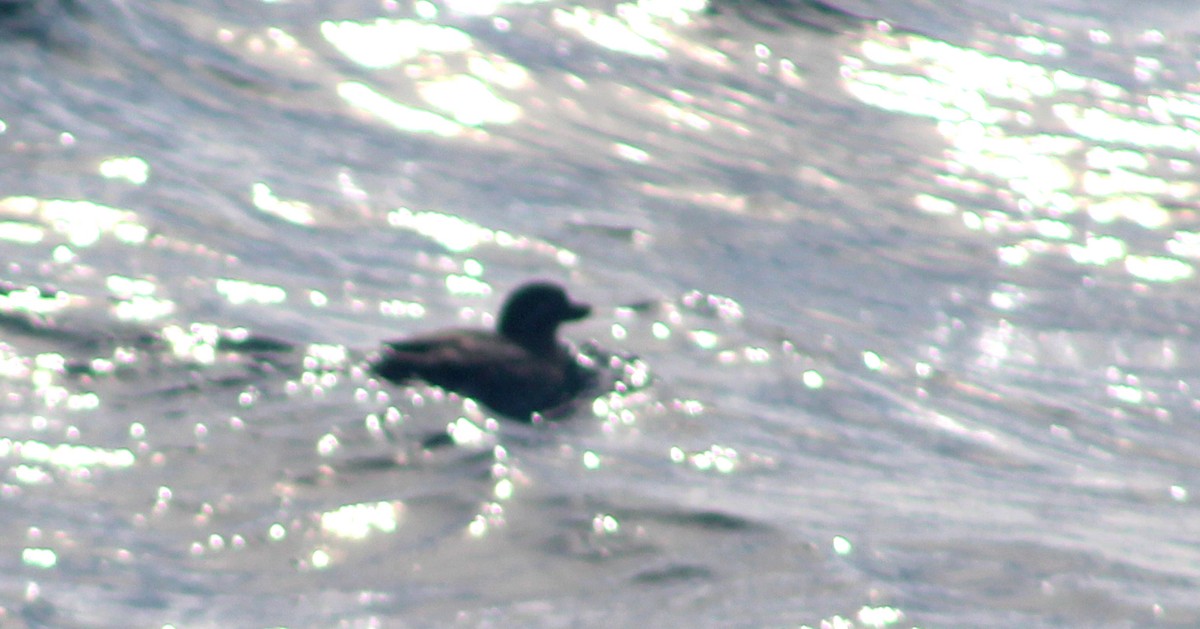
{"x":521,"y":371}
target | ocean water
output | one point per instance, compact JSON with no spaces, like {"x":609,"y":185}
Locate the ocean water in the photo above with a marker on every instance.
{"x":901,"y":296}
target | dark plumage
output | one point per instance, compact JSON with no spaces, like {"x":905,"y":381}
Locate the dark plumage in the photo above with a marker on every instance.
{"x":516,"y":371}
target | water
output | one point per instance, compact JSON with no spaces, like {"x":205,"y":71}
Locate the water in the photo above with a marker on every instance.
{"x":913,"y":288}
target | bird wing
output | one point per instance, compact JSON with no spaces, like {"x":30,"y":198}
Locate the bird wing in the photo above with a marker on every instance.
{"x":452,"y":359}
{"x":465,"y":347}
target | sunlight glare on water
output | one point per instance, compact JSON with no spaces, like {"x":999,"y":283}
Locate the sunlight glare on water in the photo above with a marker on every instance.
{"x":197,"y":343}
{"x":399,"y":115}
{"x":716,"y":458}
{"x":134,"y":300}
{"x":240,"y":292}
{"x":297,"y":212}
{"x":22,"y":233}
{"x":43,"y":558}
{"x":384,"y":43}
{"x":637,"y":28}
{"x":32,"y":300}
{"x":68,"y":457}
{"x":985,"y":104}
{"x":82,"y":222}
{"x":467,"y":98}
{"x":459,"y":234}
{"x":135,"y":170}
{"x":357,"y":521}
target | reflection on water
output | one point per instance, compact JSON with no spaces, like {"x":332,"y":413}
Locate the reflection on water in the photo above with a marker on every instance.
{"x":81,"y":222}
{"x":73,"y":459}
{"x":1052,"y":165}
{"x":1069,"y":193}
{"x":464,"y":99}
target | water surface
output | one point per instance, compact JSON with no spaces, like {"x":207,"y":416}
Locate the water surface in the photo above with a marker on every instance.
{"x":902,"y":299}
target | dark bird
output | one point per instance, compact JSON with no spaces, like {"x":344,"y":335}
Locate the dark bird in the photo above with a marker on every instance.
{"x":519,"y":370}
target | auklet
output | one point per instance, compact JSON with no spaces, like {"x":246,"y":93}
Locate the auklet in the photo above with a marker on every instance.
{"x":519,"y":370}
